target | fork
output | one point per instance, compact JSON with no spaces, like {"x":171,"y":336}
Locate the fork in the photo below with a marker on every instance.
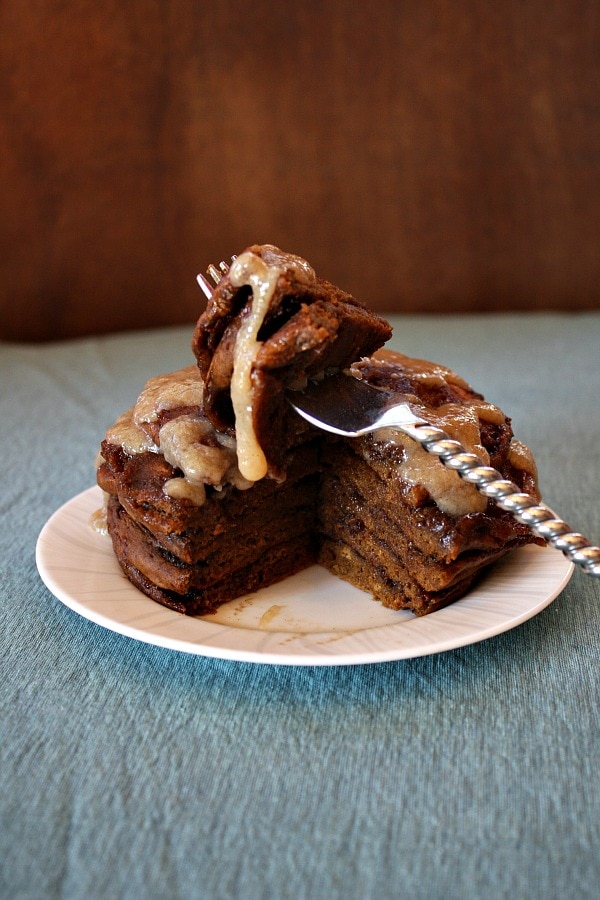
{"x":345,"y":405}
{"x":216,"y":273}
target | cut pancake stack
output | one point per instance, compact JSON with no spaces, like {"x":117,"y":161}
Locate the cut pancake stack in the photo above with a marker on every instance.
{"x":193,"y":558}
{"x":216,"y":487}
{"x":383,"y":531}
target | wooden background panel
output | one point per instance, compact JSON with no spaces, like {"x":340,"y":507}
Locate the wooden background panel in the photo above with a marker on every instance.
{"x":426,"y":156}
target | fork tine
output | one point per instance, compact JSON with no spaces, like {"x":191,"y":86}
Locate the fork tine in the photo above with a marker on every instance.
{"x":216,"y":273}
{"x":205,"y":285}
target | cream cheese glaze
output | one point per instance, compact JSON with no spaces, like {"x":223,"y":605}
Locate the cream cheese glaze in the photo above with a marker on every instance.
{"x":453,"y":495}
{"x":165,"y":392}
{"x":462,"y":423}
{"x":260,"y":273}
{"x":204,"y":456}
{"x":521,"y":457}
{"x":188,"y":442}
{"x":127,"y":434}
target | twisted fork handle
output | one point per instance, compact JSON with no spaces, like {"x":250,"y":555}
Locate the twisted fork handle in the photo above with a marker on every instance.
{"x":505,"y":494}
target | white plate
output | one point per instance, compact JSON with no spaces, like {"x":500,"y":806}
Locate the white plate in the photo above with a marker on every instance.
{"x":311,"y":618}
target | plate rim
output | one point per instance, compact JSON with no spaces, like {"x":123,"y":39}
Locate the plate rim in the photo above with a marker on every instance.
{"x":281,"y":647}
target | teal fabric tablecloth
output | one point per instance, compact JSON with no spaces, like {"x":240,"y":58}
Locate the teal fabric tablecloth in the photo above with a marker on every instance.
{"x":132,"y":771}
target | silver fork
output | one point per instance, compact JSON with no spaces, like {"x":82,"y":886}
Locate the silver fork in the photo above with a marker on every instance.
{"x":216,"y":273}
{"x":344,"y":405}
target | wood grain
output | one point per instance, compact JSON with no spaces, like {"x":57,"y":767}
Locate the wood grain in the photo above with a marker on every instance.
{"x":427,"y":156}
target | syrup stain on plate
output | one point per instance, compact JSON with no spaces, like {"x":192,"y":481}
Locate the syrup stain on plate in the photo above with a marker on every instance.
{"x":270,"y":614}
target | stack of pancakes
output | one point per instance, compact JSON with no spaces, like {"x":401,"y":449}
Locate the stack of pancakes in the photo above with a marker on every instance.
{"x":216,"y":487}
